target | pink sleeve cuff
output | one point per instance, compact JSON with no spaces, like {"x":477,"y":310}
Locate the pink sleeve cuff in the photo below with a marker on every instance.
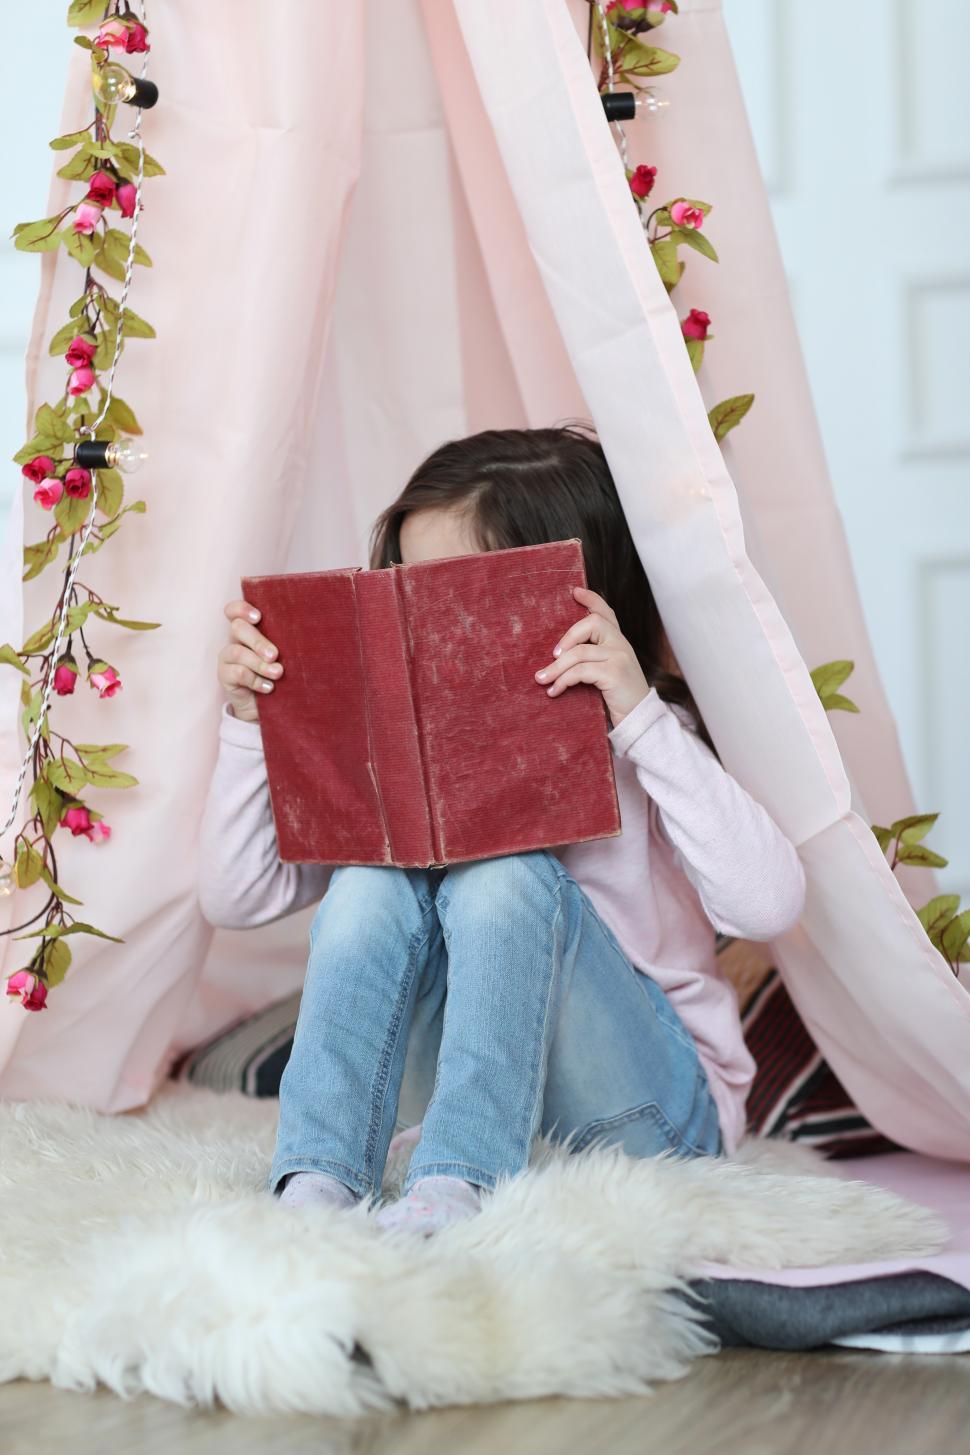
{"x":241,"y":734}
{"x":636,"y":723}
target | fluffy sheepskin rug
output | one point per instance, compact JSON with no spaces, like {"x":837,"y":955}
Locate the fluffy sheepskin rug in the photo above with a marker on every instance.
{"x":142,"y":1252}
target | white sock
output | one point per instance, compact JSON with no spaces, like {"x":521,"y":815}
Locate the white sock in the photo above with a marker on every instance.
{"x":432,"y":1204}
{"x":315,"y":1189}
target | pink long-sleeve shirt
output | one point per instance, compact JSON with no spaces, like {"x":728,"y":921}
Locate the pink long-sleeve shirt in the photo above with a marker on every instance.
{"x":696,"y":854}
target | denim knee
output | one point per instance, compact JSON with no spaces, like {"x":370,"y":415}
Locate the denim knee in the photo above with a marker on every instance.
{"x":503,"y":884}
{"x":360,"y":895}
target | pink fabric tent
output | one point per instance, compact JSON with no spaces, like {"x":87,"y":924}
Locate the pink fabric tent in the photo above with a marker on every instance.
{"x":370,"y":240}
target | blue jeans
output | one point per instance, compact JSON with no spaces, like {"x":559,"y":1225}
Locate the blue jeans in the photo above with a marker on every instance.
{"x":509,"y":1002}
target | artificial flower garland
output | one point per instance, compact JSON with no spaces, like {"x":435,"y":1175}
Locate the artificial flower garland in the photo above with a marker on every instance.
{"x":84,"y":500}
{"x":616,"y":31}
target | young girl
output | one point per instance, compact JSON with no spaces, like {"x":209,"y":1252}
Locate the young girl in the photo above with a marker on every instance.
{"x":572,"y":992}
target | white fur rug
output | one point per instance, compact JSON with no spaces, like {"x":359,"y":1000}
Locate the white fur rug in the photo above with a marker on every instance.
{"x":142,"y":1252}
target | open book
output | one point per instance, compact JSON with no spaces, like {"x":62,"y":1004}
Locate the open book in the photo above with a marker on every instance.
{"x":408,"y":727}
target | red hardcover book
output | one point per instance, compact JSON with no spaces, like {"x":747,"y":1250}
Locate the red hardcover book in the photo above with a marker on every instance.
{"x":408,"y":727}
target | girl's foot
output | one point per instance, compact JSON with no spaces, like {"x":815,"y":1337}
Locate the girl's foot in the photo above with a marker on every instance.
{"x":315,"y":1189}
{"x":432,"y":1204}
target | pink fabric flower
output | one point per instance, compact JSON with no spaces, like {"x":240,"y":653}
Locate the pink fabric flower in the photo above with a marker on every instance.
{"x":37,"y":468}
{"x":641,"y":183}
{"x":65,"y":676}
{"x":684,"y":215}
{"x":77,"y":482}
{"x":112,"y":33}
{"x":81,"y":380}
{"x":28,"y":989}
{"x":87,"y":215}
{"x":625,"y":5}
{"x":98,"y":832}
{"x":101,"y":188}
{"x":659,"y":7}
{"x":77,"y":819}
{"x":137,"y":39}
{"x":125,"y":198}
{"x":79,"y":353}
{"x":105,"y":679}
{"x":696,"y":324}
{"x":49,"y":492}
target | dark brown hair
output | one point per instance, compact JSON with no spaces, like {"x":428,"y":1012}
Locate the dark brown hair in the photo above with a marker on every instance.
{"x":524,"y":487}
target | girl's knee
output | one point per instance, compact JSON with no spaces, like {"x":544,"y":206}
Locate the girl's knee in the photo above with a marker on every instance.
{"x":502,"y":885}
{"x":359,"y":895}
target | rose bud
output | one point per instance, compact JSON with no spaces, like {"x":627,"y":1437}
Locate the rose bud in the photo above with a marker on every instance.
{"x":28,"y":989}
{"x":81,"y":380}
{"x":696,"y":324}
{"x":125,"y":198}
{"x":101,"y":189}
{"x":112,"y":33}
{"x":49,"y":492}
{"x":137,"y":39}
{"x":98,"y":832}
{"x":87,"y":215}
{"x":37,"y":468}
{"x":104,"y":678}
{"x":80,"y":352}
{"x":65,"y":676}
{"x":684,"y":215}
{"x":77,"y":482}
{"x":77,"y":819}
{"x":642,"y":180}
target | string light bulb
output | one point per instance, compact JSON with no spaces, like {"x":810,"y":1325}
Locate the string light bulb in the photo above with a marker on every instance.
{"x":627,"y":105}
{"x":113,"y":83}
{"x":126,"y":455}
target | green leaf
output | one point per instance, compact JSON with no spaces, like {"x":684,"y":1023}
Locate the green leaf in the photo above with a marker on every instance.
{"x":29,"y":866}
{"x":639,"y":60}
{"x":100,"y":777}
{"x":67,"y":775}
{"x":71,"y":511}
{"x":82,"y":248}
{"x":62,"y":339}
{"x":28,"y":717}
{"x":39,"y":639}
{"x":665,"y":257}
{"x":123,"y":416}
{"x":883,"y":836}
{"x":77,"y":928}
{"x":57,"y":958}
{"x":953,"y":940}
{"x":730,"y":412}
{"x":110,"y":491}
{"x":695,"y":352}
{"x":105,"y":350}
{"x":128,"y":159}
{"x":836,"y":701}
{"x":920,"y":855}
{"x":937,"y":913}
{"x":116,"y":245}
{"x":39,"y":445}
{"x":135,"y":327}
{"x":831,"y":675}
{"x":109,"y":265}
{"x":69,"y":139}
{"x":12,"y":658}
{"x":85,"y":12}
{"x":55,"y":888}
{"x":49,"y":803}
{"x":132,"y":626}
{"x":80,"y":167}
{"x":39,"y":237}
{"x":103,"y":751}
{"x":910,"y":830}
{"x":84,"y":42}
{"x":38,"y":556}
{"x":103,"y":150}
{"x":49,"y":422}
{"x":695,"y":240}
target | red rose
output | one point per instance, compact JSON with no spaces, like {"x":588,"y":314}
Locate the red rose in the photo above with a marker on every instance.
{"x":695,"y":325}
{"x":79,"y":353}
{"x":641,"y":183}
{"x":101,"y":189}
{"x":77,"y":482}
{"x":65,"y":676}
{"x":137,"y":39}
{"x":37,"y":468}
{"x":125,"y":198}
{"x":81,"y":380}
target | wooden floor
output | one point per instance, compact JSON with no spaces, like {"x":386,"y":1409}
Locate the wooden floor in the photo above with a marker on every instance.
{"x":742,"y":1402}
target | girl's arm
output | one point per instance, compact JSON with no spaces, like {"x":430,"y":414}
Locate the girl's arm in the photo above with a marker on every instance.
{"x":746,"y":871}
{"x":242,"y":880}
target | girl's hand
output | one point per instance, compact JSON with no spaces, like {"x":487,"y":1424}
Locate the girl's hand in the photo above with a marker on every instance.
{"x":596,"y":651}
{"x":247,"y":664}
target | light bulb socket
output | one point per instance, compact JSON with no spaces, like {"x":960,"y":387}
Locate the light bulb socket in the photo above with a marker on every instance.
{"x":143,"y":93}
{"x":619,"y":105}
{"x":96,"y":454}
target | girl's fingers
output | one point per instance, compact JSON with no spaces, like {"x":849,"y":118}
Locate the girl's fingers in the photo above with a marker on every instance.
{"x":244,"y":632}
{"x":582,"y":672}
{"x":235,"y":675}
{"x":236,"y":655}
{"x":593,"y":602}
{"x":590,"y":628}
{"x":589,"y":653}
{"x":241,"y":608}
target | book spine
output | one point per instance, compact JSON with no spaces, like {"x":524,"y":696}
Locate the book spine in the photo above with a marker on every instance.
{"x":395,"y":749}
{"x":421,"y":737}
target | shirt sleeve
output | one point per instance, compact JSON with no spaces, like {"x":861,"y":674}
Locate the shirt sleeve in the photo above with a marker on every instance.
{"x":747,"y":873}
{"x":242,"y":880}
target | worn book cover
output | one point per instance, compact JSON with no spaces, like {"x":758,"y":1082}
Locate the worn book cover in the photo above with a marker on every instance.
{"x":408,"y":727}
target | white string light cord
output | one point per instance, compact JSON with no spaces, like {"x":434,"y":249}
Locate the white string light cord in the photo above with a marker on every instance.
{"x":618,"y":128}
{"x":91,"y":429}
